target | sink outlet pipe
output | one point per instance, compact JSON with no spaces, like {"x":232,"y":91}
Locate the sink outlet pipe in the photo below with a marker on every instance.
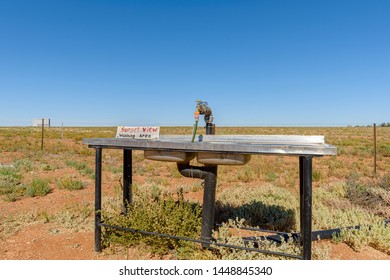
{"x":210,"y":129}
{"x":209,"y":175}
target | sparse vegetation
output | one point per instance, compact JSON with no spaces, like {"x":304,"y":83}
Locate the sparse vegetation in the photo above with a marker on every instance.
{"x":76,"y":217}
{"x":263,"y":193}
{"x":23,"y":165}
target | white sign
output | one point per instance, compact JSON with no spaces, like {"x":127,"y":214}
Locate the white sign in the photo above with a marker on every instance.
{"x":38,"y":122}
{"x":138,"y":132}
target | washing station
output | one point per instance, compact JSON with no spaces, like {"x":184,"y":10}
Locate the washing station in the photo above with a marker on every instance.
{"x":211,"y":150}
{"x":210,"y":157}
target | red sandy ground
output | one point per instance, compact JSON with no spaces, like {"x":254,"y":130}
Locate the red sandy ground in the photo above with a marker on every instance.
{"x":52,"y":242}
{"x":39,"y":241}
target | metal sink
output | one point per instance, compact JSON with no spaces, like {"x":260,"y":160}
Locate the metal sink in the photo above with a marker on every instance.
{"x":203,"y":158}
{"x":171,"y":156}
{"x":223,"y":159}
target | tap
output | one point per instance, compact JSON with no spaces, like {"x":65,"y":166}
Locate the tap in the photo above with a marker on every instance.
{"x":203,"y":108}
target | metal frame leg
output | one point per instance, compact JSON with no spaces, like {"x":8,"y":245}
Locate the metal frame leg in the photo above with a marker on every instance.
{"x":208,"y":210}
{"x":305,"y":190}
{"x":301,"y":197}
{"x":98,"y":200}
{"x":127,"y":179}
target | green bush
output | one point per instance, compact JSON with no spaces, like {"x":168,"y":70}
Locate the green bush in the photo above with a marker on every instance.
{"x":167,"y":216}
{"x":10,"y":184}
{"x":38,"y":187}
{"x":10,"y":174}
{"x":69,"y":183}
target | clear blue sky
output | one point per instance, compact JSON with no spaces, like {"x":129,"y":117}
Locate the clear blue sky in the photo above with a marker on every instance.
{"x":127,"y":62}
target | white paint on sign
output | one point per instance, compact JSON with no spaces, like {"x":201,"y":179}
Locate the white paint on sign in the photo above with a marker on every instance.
{"x":138,"y":132}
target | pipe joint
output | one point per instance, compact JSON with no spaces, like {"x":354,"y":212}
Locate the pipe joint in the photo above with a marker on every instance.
{"x":190,"y":171}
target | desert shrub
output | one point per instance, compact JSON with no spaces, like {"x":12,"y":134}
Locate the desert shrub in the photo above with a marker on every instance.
{"x":82,"y":167}
{"x":10,"y":183}
{"x":24,"y":165}
{"x":10,"y":174}
{"x":163,"y":215}
{"x":352,"y":204}
{"x":38,"y":187}
{"x":334,"y":208}
{"x":376,"y":235}
{"x":69,"y":183}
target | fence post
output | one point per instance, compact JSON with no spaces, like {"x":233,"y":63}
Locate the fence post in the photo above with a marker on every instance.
{"x":374,"y":149}
{"x":43,"y":126}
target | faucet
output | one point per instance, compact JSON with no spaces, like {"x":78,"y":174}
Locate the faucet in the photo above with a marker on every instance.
{"x":202,"y":108}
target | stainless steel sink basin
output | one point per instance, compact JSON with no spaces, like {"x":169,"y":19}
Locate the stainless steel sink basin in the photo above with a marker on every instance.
{"x":223,"y":159}
{"x":171,"y":156}
{"x":203,"y":158}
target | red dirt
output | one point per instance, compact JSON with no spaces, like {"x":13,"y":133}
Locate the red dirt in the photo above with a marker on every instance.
{"x":51,"y":241}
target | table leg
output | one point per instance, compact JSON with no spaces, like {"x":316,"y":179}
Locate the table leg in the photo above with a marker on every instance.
{"x":127,"y":179}
{"x":301,"y":197}
{"x":98,"y":200}
{"x":208,"y":208}
{"x":305,"y":187}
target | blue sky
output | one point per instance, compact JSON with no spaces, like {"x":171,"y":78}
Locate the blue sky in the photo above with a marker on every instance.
{"x":118,"y":62}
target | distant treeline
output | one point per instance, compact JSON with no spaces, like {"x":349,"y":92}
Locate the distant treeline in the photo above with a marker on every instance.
{"x":381,"y":125}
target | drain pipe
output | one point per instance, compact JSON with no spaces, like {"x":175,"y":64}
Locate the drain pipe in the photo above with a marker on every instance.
{"x":209,"y":174}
